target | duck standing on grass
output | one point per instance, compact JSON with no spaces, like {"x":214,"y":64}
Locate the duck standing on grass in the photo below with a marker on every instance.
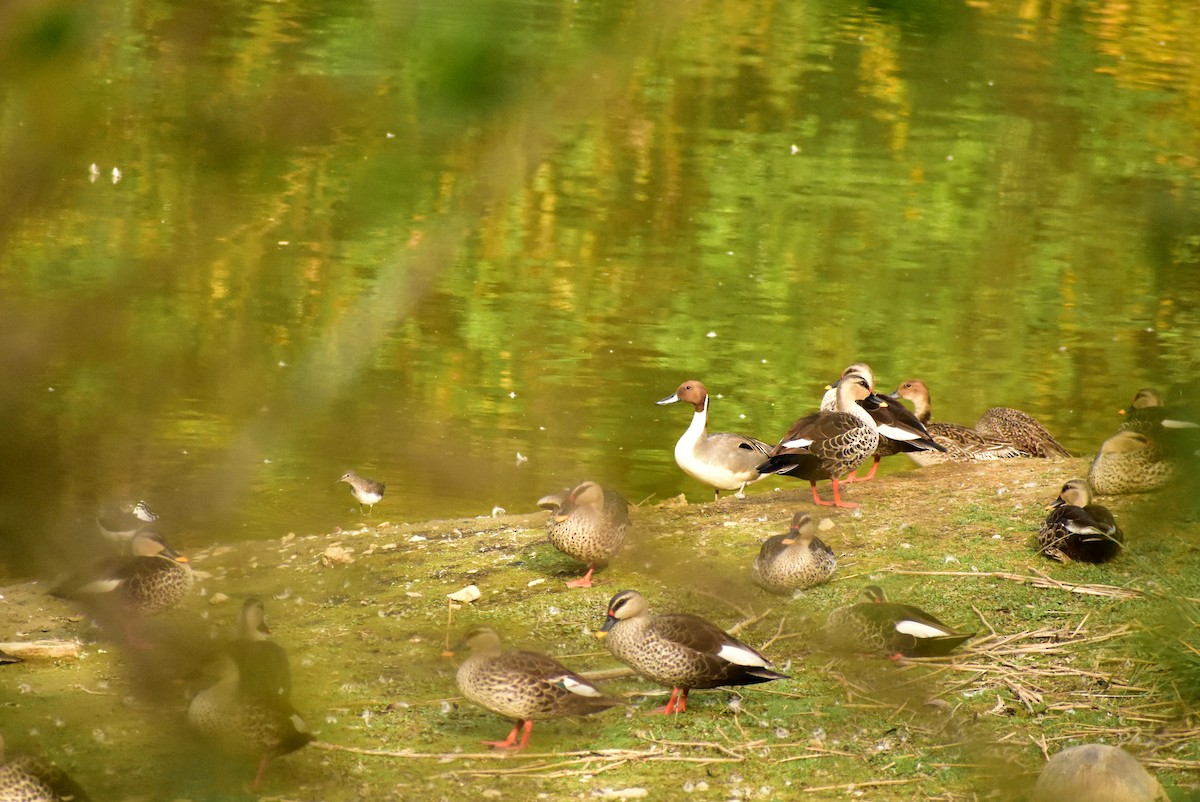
{"x":794,"y":561}
{"x":721,"y":460}
{"x":828,"y":445}
{"x":523,"y":686}
{"x":900,"y":431}
{"x":679,"y":650}
{"x":589,"y":524}
{"x":879,"y":626}
{"x":248,"y":712}
{"x":1077,"y":529}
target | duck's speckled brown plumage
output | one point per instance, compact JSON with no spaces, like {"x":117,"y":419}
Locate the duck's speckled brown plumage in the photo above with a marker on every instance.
{"x":248,"y":712}
{"x":1129,"y":462}
{"x":794,"y":561}
{"x":28,"y":778}
{"x":679,"y":650}
{"x":961,"y":443}
{"x":1096,"y":773}
{"x":152,"y":579}
{"x":1077,"y":529}
{"x":1010,"y":425}
{"x":828,"y":445}
{"x":239,"y":721}
{"x":877,"y":626}
{"x":588,"y":523}
{"x":524,"y":686}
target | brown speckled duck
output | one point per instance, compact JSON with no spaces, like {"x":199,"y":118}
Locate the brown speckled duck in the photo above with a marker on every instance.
{"x":721,"y":460}
{"x":1077,"y":529}
{"x":878,"y":626}
{"x":679,"y":650}
{"x":1149,"y":415}
{"x":589,"y":524}
{"x":523,"y":686}
{"x":1129,"y":462}
{"x":153,"y":578}
{"x":1096,"y":773}
{"x":27,"y":778}
{"x":828,"y":445}
{"x":1010,"y":425}
{"x":240,"y":720}
{"x":794,"y":561}
{"x":899,"y":430}
{"x":961,"y":443}
{"x":268,"y":673}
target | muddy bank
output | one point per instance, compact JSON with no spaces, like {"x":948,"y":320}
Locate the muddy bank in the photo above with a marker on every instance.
{"x":1065,"y":654}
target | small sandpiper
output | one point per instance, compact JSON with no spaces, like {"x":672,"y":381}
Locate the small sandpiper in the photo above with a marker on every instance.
{"x":366,"y":491}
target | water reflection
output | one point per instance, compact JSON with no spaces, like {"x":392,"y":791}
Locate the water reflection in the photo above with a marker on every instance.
{"x":467,"y":263}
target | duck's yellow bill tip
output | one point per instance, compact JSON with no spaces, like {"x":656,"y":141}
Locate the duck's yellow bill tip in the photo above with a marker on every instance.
{"x":600,"y":634}
{"x":560,"y":518}
{"x":181,"y":559}
{"x":447,"y":653}
{"x":1120,"y":412}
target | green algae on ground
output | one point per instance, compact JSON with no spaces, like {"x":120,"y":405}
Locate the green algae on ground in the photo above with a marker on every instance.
{"x":366,"y":627}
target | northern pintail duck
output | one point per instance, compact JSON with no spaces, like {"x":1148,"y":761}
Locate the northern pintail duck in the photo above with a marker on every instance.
{"x":880,"y":626}
{"x":28,"y":778}
{"x":828,"y":445}
{"x":1129,"y":462}
{"x":1010,"y":425}
{"x":721,"y":460}
{"x":120,"y":522}
{"x":523,"y":686}
{"x":153,"y":578}
{"x":365,"y":491}
{"x":1077,"y":529}
{"x":794,"y":561}
{"x":588,"y":523}
{"x":679,"y":650}
{"x":1096,"y":773}
{"x":961,"y":443}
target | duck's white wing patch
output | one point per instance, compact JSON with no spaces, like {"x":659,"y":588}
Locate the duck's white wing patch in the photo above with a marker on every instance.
{"x":919,"y":630}
{"x":897,"y":433}
{"x":569,"y":683}
{"x":100,"y":586}
{"x":1077,"y":528}
{"x":802,"y":442}
{"x":741,"y":655}
{"x":1179,"y":424}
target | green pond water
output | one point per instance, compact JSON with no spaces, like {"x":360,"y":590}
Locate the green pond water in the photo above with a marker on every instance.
{"x":463,"y":247}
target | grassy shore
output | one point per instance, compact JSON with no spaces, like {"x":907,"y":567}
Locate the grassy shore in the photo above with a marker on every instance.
{"x":1064,"y":655}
